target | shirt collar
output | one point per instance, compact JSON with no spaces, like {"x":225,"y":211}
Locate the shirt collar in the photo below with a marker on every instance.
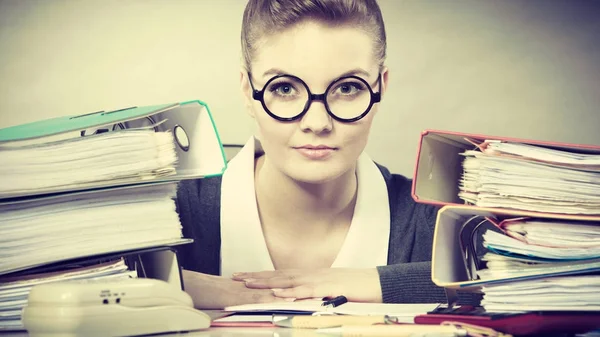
{"x":243,"y":247}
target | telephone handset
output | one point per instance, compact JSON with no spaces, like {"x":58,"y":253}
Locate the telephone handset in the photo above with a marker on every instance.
{"x":124,"y":307}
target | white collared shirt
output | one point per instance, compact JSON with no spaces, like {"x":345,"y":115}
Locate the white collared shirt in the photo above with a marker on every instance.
{"x":243,"y":246}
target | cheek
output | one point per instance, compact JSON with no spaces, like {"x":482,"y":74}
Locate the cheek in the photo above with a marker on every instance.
{"x":271,"y":132}
{"x":355,"y":136}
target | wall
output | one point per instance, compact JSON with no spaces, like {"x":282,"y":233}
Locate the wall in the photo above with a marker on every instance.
{"x":517,"y":68}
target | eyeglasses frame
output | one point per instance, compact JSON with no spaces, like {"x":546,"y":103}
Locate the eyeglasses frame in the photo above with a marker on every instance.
{"x":259,"y":96}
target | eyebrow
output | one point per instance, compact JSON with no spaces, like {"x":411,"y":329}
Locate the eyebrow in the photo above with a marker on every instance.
{"x":273,"y":71}
{"x":355,"y":71}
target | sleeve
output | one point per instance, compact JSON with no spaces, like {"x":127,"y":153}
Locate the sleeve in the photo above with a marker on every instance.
{"x":198,"y":205}
{"x":185,"y":252}
{"x":407,"y":277}
{"x":409,"y":283}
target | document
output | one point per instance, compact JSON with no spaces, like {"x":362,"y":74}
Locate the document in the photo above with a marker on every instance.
{"x":131,"y":155}
{"x":529,"y":247}
{"x":41,"y":231}
{"x":553,"y":233}
{"x":533,"y":178}
{"x":556,"y":157}
{"x":507,"y":267}
{"x":569,"y":293}
{"x":497,"y":241}
{"x":403,"y":312}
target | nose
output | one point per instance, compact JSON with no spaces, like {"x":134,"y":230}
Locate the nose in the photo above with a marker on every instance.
{"x":316,"y":119}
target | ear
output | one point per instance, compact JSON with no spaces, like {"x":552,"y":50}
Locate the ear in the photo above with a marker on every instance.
{"x":384,"y":80}
{"x":246,"y":91}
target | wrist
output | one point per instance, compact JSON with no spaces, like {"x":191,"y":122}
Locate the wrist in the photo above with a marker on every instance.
{"x":374,"y":285}
{"x":365,"y":286}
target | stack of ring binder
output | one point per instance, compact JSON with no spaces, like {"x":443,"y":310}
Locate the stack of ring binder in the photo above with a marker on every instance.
{"x":519,"y":222}
{"x":93,"y":196}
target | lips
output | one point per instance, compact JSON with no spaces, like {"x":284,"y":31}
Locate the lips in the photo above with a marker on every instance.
{"x":316,"y":147}
{"x":316,"y":152}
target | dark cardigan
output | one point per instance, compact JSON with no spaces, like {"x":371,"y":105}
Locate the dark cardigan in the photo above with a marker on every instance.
{"x":406,"y":278}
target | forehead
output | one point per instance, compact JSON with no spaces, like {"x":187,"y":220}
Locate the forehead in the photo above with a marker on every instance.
{"x":315,"y":52}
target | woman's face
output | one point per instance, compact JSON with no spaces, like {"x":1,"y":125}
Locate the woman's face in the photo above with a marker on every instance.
{"x":315,"y":148}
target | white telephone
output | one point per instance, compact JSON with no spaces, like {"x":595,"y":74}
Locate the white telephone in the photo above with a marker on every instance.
{"x":125,"y":307}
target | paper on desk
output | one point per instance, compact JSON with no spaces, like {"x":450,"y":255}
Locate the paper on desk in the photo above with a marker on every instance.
{"x":404,"y":312}
{"x":299,"y":306}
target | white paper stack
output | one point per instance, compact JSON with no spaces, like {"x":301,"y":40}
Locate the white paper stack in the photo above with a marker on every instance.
{"x":39,"y":231}
{"x":572,"y":293}
{"x":15,"y":290}
{"x":130,"y":155}
{"x":77,"y":198}
{"x":85,"y":188}
{"x":566,"y":253}
{"x":533,"y":178}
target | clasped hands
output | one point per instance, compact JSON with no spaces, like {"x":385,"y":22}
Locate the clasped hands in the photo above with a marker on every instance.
{"x":216,"y":292}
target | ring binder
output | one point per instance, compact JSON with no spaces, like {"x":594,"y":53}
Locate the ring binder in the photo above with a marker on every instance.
{"x":79,"y":208}
{"x":193,"y":118}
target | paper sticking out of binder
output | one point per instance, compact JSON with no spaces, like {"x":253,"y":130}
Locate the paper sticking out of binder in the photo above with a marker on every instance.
{"x":103,"y":186}
{"x":14,"y":290}
{"x":117,"y":265}
{"x":498,"y":251}
{"x":102,"y":182}
{"x":160,"y":143}
{"x":37,"y":231}
{"x":508,"y":173}
{"x":476,"y":246}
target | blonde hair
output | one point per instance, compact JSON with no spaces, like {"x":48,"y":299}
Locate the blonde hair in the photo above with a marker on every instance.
{"x":264,"y":17}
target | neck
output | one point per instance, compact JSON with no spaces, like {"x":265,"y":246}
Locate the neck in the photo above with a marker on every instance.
{"x":311,"y":203}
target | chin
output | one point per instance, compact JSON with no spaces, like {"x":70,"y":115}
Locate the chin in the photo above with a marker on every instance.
{"x":315,"y":173}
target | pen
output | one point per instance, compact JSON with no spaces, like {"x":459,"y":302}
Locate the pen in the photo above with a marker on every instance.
{"x":335,"y":302}
{"x":316,"y":322}
{"x":396,"y":330}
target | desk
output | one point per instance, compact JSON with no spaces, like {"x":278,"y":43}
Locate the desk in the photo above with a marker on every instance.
{"x":249,"y":331}
{"x":262,"y":332}
{"x":222,"y":332}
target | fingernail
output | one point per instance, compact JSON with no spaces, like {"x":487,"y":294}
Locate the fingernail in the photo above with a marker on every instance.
{"x":249,"y":280}
{"x":237,"y":274}
{"x":289,"y":299}
{"x":276,"y":290}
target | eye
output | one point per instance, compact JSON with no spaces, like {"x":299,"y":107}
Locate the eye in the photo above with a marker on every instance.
{"x":348,"y":88}
{"x":282,"y":89}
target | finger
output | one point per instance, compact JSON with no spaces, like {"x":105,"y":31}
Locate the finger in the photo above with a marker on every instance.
{"x":261,"y":297}
{"x":288,"y":281}
{"x":301,"y":292}
{"x":255,"y":275}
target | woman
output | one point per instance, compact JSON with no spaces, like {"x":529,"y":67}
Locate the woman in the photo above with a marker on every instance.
{"x":301,"y":211}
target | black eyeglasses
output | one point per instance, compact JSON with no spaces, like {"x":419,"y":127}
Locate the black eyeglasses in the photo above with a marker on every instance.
{"x":287,"y":98}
